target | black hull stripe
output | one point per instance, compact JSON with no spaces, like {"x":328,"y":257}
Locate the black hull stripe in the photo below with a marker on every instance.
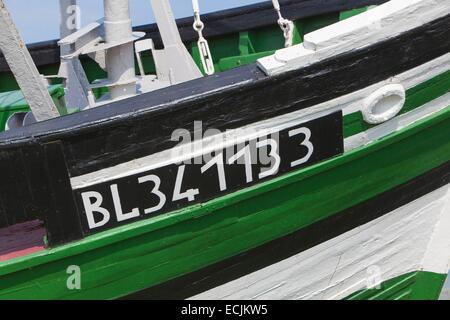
{"x":233,"y":268}
{"x":98,"y":138}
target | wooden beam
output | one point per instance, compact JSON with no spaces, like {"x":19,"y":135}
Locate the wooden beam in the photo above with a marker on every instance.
{"x":24,"y":69}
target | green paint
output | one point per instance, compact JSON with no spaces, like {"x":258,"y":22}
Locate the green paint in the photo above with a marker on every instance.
{"x":353,"y":123}
{"x":8,"y":83}
{"x":350,"y":13}
{"x":229,"y":51}
{"x":309,"y":25}
{"x":234,"y":51}
{"x":143,"y":254}
{"x":146,"y":253}
{"x":419,"y":285}
{"x":260,"y":41}
{"x":14,"y":101}
{"x":246,"y":47}
{"x":427,"y":91}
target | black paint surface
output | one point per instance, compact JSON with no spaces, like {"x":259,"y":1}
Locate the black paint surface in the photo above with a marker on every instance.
{"x":134,"y":195}
{"x":142,"y":125}
{"x":35,"y":185}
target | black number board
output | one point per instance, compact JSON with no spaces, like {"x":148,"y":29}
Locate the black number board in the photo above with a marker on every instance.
{"x":178,"y":185}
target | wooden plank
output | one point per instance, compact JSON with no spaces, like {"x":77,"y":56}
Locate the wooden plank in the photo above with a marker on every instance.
{"x":62,"y":221}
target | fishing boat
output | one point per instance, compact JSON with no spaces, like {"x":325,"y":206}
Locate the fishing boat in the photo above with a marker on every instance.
{"x":282,"y":150}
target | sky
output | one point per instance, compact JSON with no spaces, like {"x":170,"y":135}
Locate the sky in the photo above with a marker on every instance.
{"x":38,"y":20}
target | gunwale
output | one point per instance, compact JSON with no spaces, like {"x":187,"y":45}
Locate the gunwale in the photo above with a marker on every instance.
{"x":139,"y":228}
{"x":186,"y":100}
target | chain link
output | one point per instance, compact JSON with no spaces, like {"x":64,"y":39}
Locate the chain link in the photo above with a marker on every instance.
{"x":203,"y":46}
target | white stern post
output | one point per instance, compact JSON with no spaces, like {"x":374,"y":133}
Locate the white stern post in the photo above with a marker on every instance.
{"x":24,"y":69}
{"x":120,"y":59}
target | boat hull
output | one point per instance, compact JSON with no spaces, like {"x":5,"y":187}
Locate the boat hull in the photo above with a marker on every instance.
{"x":367,"y":221}
{"x":150,"y":253}
{"x":394,"y":247}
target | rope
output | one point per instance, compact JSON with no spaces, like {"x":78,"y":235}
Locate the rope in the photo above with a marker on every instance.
{"x":286,"y":25}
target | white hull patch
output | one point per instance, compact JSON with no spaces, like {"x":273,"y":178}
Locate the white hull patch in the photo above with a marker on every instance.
{"x":378,"y":24}
{"x":412,"y":238}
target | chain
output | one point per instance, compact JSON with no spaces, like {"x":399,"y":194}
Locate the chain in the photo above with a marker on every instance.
{"x":203,"y":46}
{"x":286,"y":25}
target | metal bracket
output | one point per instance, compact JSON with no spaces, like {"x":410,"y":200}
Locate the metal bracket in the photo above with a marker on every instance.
{"x":179,"y":65}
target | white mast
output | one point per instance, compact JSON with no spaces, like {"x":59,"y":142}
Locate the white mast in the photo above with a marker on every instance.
{"x":119,"y":59}
{"x":110,"y":42}
{"x":24,"y":69}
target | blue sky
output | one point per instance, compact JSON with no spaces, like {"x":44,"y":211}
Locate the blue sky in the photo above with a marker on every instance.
{"x":37,"y":20}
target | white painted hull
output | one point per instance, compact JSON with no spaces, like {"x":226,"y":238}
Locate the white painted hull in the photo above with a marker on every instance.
{"x":412,"y":238}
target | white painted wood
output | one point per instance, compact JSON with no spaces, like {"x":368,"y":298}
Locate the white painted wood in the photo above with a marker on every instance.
{"x":380,"y":23}
{"x":348,"y":104}
{"x":89,"y":35}
{"x":384,"y":104}
{"x":408,"y":80}
{"x":76,"y":84}
{"x":437,"y":258}
{"x":397,"y":123}
{"x":377,"y":23}
{"x":391,"y":246}
{"x":232,"y":137}
{"x":24,"y":69}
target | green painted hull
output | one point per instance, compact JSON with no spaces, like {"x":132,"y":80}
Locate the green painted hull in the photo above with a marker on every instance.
{"x":138,"y":256}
